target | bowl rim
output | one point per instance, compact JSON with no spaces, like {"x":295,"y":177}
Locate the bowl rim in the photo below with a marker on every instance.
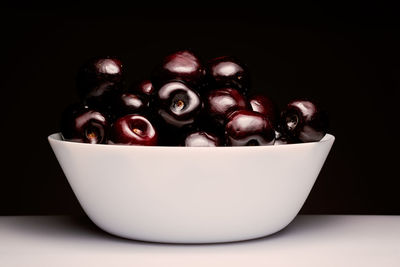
{"x":56,"y":138}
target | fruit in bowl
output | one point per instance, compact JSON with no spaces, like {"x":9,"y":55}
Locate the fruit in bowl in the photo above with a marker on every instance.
{"x":186,"y":95}
{"x":189,"y":156}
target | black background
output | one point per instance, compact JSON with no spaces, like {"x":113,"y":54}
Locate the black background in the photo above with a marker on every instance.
{"x":347,"y":57}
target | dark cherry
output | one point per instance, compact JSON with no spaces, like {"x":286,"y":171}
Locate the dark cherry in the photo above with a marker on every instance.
{"x":144,"y":88}
{"x":264,"y":105}
{"x":177,"y":104}
{"x":182,"y":65}
{"x":80,"y":123}
{"x":133,"y":130}
{"x":202,"y":139}
{"x":128,"y":103}
{"x":303,"y":120}
{"x":98,"y":78}
{"x":228,"y":71}
{"x":249,"y":128}
{"x":220,"y":103}
{"x":281,"y":139}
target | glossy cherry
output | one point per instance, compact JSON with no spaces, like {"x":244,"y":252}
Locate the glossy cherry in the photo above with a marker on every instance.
{"x":246,"y":128}
{"x":80,"y":123}
{"x":264,"y":105}
{"x":281,"y":139}
{"x":128,"y":103}
{"x":98,"y":78}
{"x":220,"y":103}
{"x":303,"y":120}
{"x":177,"y":104}
{"x":134,"y":130}
{"x":144,"y":87}
{"x":202,"y":139}
{"x":227,"y":71}
{"x":182,"y":65}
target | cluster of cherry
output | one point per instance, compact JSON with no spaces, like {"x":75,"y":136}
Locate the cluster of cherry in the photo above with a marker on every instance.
{"x":184,"y":103}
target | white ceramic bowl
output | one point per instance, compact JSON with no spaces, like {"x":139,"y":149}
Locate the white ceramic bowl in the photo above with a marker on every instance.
{"x":191,"y":194}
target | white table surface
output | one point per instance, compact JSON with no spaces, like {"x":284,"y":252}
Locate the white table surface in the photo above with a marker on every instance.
{"x":310,"y":240}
